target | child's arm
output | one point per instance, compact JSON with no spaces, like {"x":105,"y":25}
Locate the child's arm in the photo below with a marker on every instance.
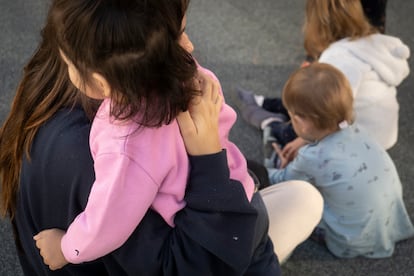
{"x":290,"y":150}
{"x":115,"y":207}
{"x":299,"y":168}
{"x":120,"y":197}
{"x":283,"y":159}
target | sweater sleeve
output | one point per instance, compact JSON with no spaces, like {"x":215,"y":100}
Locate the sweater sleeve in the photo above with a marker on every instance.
{"x":219,"y":216}
{"x":216,"y":232}
{"x":297,"y":169}
{"x":115,"y":207}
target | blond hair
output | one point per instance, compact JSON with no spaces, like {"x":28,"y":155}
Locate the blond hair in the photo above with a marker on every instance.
{"x":320,"y":93}
{"x":328,"y":21}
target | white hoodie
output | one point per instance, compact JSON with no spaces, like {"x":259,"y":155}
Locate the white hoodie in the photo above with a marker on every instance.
{"x":374,"y":65}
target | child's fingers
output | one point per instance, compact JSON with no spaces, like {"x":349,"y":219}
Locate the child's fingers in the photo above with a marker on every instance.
{"x":38,"y":240}
{"x":41,"y":234}
{"x":287,"y":151}
{"x":290,"y":155}
{"x":277,"y":149}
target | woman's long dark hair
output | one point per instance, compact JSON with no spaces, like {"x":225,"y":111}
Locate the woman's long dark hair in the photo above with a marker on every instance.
{"x":148,"y":71}
{"x":43,"y":90}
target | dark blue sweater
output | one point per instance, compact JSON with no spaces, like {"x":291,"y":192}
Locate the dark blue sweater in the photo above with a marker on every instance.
{"x":218,"y":233}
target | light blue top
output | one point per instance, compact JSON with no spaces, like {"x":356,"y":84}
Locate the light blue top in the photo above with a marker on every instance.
{"x":364,"y":213}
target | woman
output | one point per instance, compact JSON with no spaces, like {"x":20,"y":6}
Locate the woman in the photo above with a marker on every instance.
{"x":55,"y":183}
{"x":46,"y":172}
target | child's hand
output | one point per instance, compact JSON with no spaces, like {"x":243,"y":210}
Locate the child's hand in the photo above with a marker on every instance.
{"x":291,"y":149}
{"x":305,"y":64}
{"x":199,"y":125}
{"x":48,"y":242}
{"x":283,"y":160}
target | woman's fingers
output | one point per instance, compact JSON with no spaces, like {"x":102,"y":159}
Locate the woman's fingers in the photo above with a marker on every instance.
{"x":199,"y":125}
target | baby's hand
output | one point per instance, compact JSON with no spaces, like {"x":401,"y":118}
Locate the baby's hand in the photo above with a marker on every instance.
{"x":283,"y":160}
{"x":291,"y":149}
{"x":48,"y":242}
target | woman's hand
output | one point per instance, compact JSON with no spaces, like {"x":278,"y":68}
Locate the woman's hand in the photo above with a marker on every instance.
{"x":199,"y":125}
{"x":48,"y":242}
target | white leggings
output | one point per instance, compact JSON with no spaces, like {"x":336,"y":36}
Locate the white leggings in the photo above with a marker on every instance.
{"x":294,"y":209}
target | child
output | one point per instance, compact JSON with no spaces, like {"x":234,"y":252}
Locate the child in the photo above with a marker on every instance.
{"x":136,"y":57}
{"x":364,"y":212}
{"x":338,"y":33}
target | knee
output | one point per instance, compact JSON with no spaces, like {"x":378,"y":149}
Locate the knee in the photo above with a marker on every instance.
{"x":295,"y":196}
{"x":307,"y":196}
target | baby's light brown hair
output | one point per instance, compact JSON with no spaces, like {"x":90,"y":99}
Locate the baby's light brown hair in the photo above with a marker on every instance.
{"x":321,"y":94}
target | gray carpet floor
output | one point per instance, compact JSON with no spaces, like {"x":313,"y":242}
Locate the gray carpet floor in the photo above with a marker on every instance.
{"x":251,"y":44}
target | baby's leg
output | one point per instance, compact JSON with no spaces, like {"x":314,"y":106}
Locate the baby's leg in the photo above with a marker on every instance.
{"x":275,"y":105}
{"x":283,"y":132}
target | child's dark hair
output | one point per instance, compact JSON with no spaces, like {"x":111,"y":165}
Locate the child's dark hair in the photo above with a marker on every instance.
{"x":102,"y":45}
{"x":134,"y":45}
{"x":320,"y":93}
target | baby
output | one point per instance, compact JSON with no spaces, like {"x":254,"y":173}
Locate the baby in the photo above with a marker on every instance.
{"x":364,"y":212}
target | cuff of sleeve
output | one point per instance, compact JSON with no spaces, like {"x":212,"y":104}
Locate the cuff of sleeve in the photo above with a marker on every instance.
{"x":214,"y":165}
{"x":65,"y":247}
{"x":210,"y":187}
